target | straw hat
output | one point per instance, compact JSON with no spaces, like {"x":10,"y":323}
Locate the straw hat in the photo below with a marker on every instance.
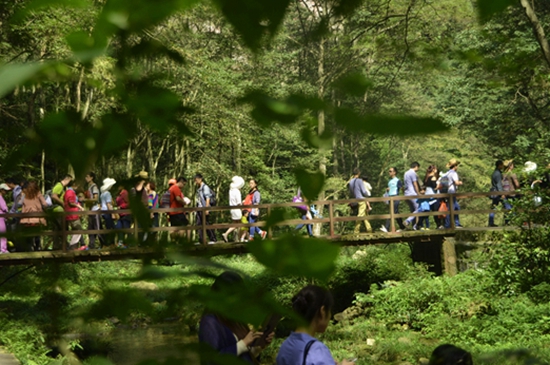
{"x":107,"y":184}
{"x":453,"y":162}
{"x":143,"y":175}
{"x":4,"y":187}
{"x":507,"y":163}
{"x":530,"y":166}
{"x":237,"y":182}
{"x":172,"y":182}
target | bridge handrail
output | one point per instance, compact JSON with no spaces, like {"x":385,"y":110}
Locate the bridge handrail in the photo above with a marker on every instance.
{"x":332,"y":219}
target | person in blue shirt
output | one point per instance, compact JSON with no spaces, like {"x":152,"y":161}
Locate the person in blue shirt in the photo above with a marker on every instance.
{"x":358,"y":191}
{"x":395,"y":185}
{"x":314,"y":305}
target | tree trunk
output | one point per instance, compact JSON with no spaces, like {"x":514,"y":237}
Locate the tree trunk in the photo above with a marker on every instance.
{"x":129,"y":161}
{"x":321,"y":126}
{"x":537,"y":29}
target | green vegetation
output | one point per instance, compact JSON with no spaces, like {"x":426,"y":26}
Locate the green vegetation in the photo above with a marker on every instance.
{"x":291,"y":93}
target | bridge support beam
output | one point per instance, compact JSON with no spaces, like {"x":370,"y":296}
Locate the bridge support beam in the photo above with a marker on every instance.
{"x":449,"y":257}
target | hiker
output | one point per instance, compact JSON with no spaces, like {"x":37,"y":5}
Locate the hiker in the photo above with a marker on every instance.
{"x":313,"y":304}
{"x":235,"y":199}
{"x":73,"y":220}
{"x":305,"y":213}
{"x":358,"y":191}
{"x":204,"y":196}
{"x":4,"y":188}
{"x":32,"y":201}
{"x":449,"y":183}
{"x":227,"y":336}
{"x":430,"y":184}
{"x":58,"y":194}
{"x":254,"y":197}
{"x":106,"y":201}
{"x":412,"y":189}
{"x":92,"y":203}
{"x":394,"y":186}
{"x":178,"y":200}
{"x":125,"y":219}
{"x":496,"y":186}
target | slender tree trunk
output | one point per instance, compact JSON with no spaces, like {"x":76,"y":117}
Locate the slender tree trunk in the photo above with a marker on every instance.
{"x":129,"y":160}
{"x":537,"y":29}
{"x":42,"y":171}
{"x":321,"y":125}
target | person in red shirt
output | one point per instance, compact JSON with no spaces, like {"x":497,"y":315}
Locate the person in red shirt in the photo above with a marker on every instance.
{"x":71,"y":204}
{"x":125,"y":220}
{"x":177,"y":200}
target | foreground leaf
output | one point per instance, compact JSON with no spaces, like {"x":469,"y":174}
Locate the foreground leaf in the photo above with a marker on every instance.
{"x":311,"y":183}
{"x":294,"y":255}
{"x":13,"y":75}
{"x":487,"y":8}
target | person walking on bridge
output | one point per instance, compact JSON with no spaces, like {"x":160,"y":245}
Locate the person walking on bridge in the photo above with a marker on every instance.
{"x":3,"y":209}
{"x":394,"y":186}
{"x":204,"y":200}
{"x":412,"y":189}
{"x":449,"y":183}
{"x":496,"y":186}
{"x":358,"y":191}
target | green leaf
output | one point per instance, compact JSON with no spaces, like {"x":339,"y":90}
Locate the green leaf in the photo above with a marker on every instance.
{"x":294,"y":255}
{"x":253,"y":19}
{"x":488,"y":8}
{"x":354,"y":84}
{"x":268,"y":110}
{"x":120,"y":304}
{"x":85,"y":47}
{"x":241,"y":302}
{"x":13,"y":75}
{"x":311,"y":183}
{"x":36,"y":5}
{"x":387,"y":124}
{"x":146,"y":48}
{"x":276,"y":216}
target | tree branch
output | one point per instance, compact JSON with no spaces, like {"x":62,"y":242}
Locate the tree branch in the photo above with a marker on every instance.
{"x":537,"y":29}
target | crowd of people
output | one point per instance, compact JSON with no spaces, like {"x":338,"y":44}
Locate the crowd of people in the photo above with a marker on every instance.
{"x":503,"y":179}
{"x":313,"y":305}
{"x":69,"y":196}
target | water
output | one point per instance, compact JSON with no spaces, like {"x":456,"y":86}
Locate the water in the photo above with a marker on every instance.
{"x":129,"y":346}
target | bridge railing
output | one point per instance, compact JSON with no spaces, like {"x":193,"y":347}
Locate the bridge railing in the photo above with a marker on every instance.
{"x":332,"y":220}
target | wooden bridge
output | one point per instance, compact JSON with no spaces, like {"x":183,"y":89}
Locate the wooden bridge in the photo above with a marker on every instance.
{"x":333,"y":225}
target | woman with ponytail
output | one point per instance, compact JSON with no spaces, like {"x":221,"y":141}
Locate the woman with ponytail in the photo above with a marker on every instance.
{"x":313,"y":304}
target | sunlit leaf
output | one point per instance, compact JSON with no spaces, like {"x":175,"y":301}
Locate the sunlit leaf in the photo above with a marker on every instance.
{"x":311,"y":183}
{"x":13,"y":75}
{"x":387,"y":124}
{"x":296,"y":255}
{"x":84,"y":46}
{"x":488,"y":8}
{"x":253,"y":19}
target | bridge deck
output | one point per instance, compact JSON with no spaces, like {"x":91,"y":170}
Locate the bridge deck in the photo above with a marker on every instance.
{"x":220,"y":248}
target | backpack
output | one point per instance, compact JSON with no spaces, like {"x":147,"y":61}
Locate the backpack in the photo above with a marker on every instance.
{"x":48,"y":198}
{"x":165,"y":200}
{"x":353,"y":205}
{"x":213,"y":199}
{"x":506,"y":183}
{"x":444,"y":183}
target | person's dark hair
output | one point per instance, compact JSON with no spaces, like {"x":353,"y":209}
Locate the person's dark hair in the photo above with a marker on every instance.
{"x":152,"y":185}
{"x":429,"y":170}
{"x":356,"y":171}
{"x":309,"y":301}
{"x":31,"y":190}
{"x":92,"y":175}
{"x":198,"y":176}
{"x":415,"y":164}
{"x":450,"y":355}
{"x":395,"y":169}
{"x":227,"y":278}
{"x":67,"y":177}
{"x":364,"y":177}
{"x":181,"y":179}
{"x":12,"y":180}
{"x":256,"y":187}
{"x":498,"y":164}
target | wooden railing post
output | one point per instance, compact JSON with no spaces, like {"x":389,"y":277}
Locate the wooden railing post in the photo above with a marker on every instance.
{"x":452,"y":210}
{"x":203,"y":225}
{"x":331,"y":217}
{"x":269,"y":232}
{"x":392,"y":215}
{"x":63,"y":231}
{"x":136,"y":228}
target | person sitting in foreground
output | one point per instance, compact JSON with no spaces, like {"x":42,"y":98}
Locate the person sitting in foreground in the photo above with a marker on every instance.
{"x":227,"y":336}
{"x":313,"y":304}
{"x":450,"y":355}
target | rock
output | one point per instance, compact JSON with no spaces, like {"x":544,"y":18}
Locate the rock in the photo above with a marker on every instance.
{"x":404,"y":340}
{"x":423,"y":361}
{"x":144,"y":285}
{"x":371,"y":341}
